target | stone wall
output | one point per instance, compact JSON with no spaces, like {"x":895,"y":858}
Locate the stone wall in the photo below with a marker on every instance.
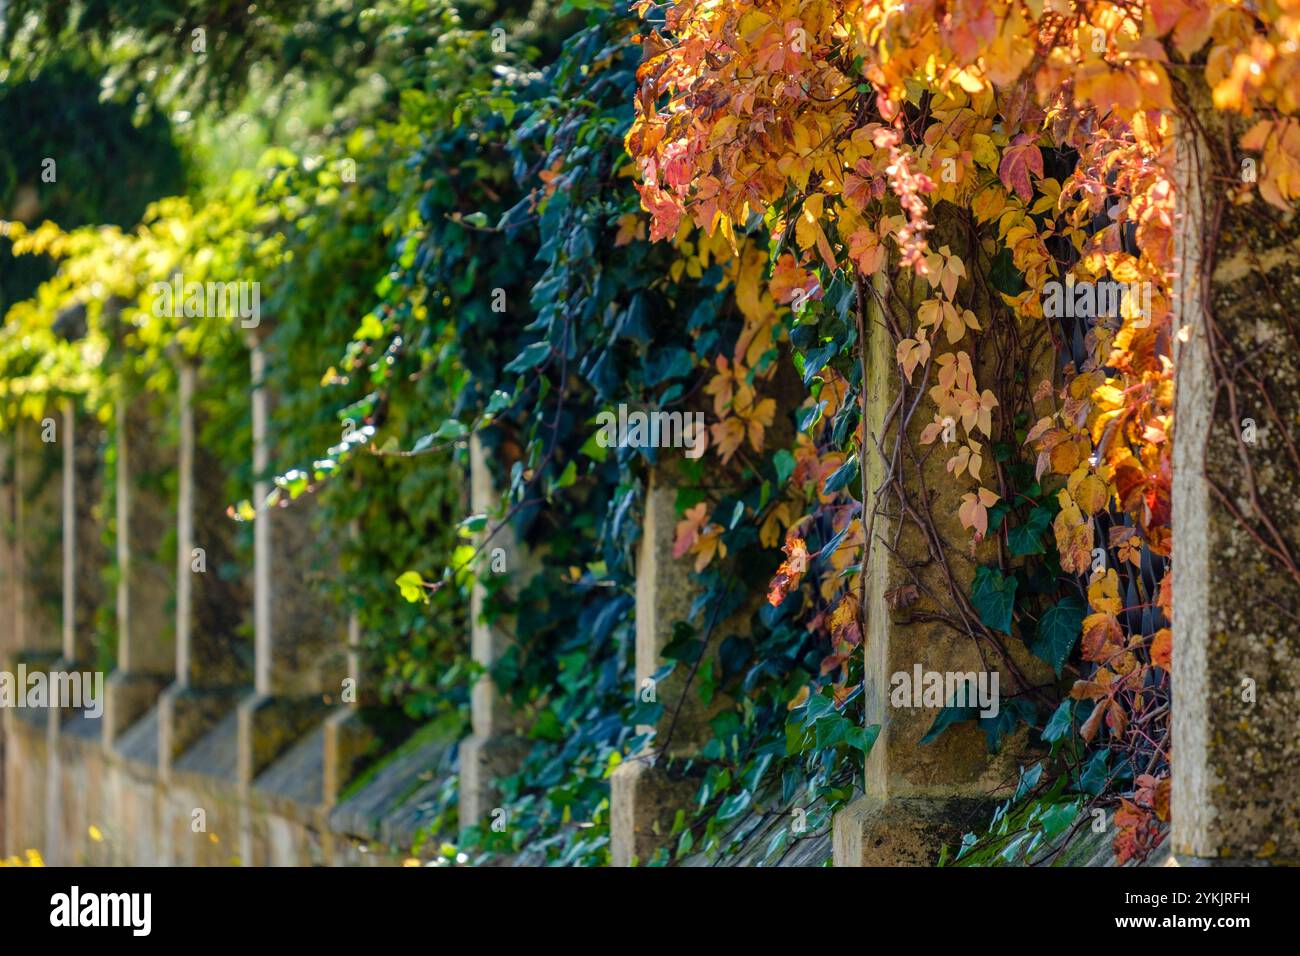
{"x":211,"y":748}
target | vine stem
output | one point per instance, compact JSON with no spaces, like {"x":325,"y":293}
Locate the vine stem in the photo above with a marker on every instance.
{"x":868,"y":523}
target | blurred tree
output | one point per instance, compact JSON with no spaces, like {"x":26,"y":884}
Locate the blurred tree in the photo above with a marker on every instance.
{"x":70,"y":158}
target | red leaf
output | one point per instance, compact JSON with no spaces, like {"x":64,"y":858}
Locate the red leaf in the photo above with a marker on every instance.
{"x":1018,"y":160}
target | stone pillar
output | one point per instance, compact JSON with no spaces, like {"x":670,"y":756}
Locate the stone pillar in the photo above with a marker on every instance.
{"x":346,"y":738}
{"x":645,"y":795}
{"x":7,"y":583}
{"x":86,"y":557}
{"x":36,"y":641}
{"x":918,"y":797}
{"x":298,"y":635}
{"x":186,"y":373}
{"x":494,"y":749}
{"x":145,"y":649}
{"x":54,"y":831}
{"x":1236,"y":481}
{"x":210,"y":603}
{"x":69,"y":532}
{"x":38,"y":535}
{"x":8,"y":563}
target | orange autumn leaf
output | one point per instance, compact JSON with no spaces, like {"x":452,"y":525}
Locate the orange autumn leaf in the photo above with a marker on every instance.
{"x":688,"y":529}
{"x":708,"y":546}
{"x":1162,"y":646}
{"x":1102,"y":637}
{"x":790,"y":572}
{"x":1073,"y":536}
{"x":727,"y":436}
{"x":1136,"y":832}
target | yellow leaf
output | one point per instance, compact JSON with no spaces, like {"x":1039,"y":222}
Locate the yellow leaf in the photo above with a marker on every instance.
{"x":1103,"y":593}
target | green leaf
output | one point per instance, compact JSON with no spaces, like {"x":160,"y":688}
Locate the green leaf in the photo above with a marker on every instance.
{"x":531,"y":356}
{"x":594,"y":449}
{"x":1058,"y":632}
{"x":863,"y":738}
{"x":1057,"y":818}
{"x":734,"y":805}
{"x":785,"y":464}
{"x":567,"y":477}
{"x":473,"y":524}
{"x":370,"y":328}
{"x":412,"y":586}
{"x":1059,"y":724}
{"x":451,"y":428}
{"x":811,"y":416}
{"x":1027,"y":539}
{"x":1011,"y":713}
{"x":498,"y":401}
{"x":842,"y":476}
{"x":1095,"y":773}
{"x":994,"y":597}
{"x":546,"y":726}
{"x":834,"y":729}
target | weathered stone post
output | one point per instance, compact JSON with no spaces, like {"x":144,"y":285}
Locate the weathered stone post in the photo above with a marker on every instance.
{"x":7,"y":584}
{"x":85,"y":555}
{"x":54,"y":835}
{"x":38,"y":462}
{"x":1236,"y":603}
{"x":197,"y":725}
{"x":8,"y":559}
{"x":298,"y":646}
{"x":644,"y":795}
{"x":36,"y":638}
{"x":144,"y":635}
{"x":209,"y":674}
{"x":917,"y":797}
{"x":494,"y":749}
{"x":346,"y":735}
{"x":69,"y":532}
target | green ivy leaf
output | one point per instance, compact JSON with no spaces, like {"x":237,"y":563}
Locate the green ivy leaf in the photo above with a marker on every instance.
{"x":1095,"y":773}
{"x":863,"y":738}
{"x":497,"y":402}
{"x":1058,"y":632}
{"x":567,"y":477}
{"x":784,"y":463}
{"x":1059,"y":724}
{"x":994,"y":597}
{"x":531,"y":356}
{"x":1011,"y":713}
{"x":1057,"y":818}
{"x":1027,"y":539}
{"x":734,"y":805}
{"x":594,"y":449}
{"x":842,"y":476}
